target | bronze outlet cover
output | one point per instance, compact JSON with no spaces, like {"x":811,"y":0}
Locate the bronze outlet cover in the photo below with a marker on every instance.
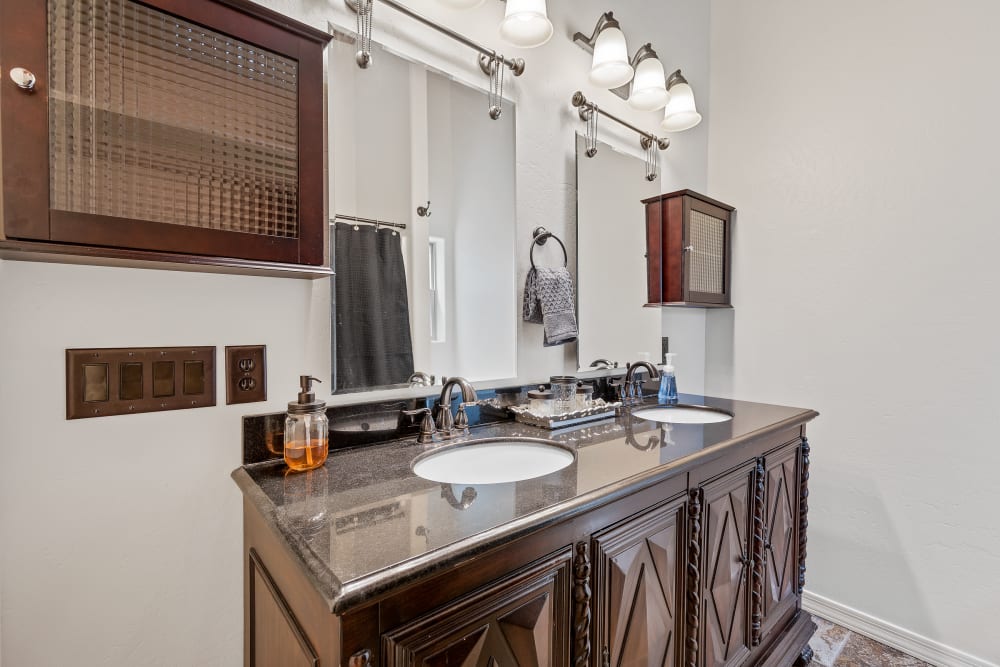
{"x":246,"y":374}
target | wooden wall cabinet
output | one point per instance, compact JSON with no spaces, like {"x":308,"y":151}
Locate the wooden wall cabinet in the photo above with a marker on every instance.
{"x":688,"y":250}
{"x":165,"y":130}
{"x":701,"y":570}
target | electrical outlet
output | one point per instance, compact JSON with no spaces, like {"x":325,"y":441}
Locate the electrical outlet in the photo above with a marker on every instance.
{"x":246,"y":374}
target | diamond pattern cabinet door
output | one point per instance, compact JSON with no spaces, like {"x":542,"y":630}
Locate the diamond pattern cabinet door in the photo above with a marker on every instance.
{"x":726,"y":570}
{"x":637,"y":589}
{"x":521,"y":620}
{"x":780,"y":521}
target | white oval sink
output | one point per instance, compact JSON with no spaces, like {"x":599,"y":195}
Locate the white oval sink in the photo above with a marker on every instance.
{"x":683,"y":414}
{"x":493,"y":461}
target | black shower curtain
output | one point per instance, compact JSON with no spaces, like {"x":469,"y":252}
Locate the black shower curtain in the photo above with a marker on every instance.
{"x":372,"y":343}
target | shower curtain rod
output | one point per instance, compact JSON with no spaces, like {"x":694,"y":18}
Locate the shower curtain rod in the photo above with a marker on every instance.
{"x":368,"y":221}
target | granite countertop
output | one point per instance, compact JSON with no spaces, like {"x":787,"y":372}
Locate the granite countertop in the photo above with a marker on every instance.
{"x":364,"y":523}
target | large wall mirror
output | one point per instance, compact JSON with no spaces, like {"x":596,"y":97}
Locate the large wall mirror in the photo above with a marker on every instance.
{"x":615,"y":323}
{"x":431,"y":294}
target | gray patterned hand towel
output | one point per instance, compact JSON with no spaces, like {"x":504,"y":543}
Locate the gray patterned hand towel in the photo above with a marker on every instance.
{"x":548,"y":300}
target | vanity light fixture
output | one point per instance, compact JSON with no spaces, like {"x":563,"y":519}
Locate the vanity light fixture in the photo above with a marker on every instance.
{"x":649,"y":87}
{"x":610,"y":67}
{"x":490,"y":62}
{"x":680,"y":113}
{"x":526,"y":23}
{"x":644,"y":86}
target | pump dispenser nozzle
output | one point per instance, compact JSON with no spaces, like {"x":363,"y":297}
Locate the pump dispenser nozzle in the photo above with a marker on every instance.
{"x":305,"y":382}
{"x":668,"y":361}
{"x":307,"y":397}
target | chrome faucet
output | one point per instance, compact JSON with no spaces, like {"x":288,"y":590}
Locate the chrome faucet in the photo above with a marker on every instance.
{"x":448,"y":426}
{"x":631,"y":389}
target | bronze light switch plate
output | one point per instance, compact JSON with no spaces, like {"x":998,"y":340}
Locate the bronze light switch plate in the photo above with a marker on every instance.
{"x":118,"y":381}
{"x":246,"y":374}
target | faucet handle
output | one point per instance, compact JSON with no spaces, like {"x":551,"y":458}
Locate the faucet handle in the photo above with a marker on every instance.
{"x":623,"y":390}
{"x":427,"y":430}
{"x":462,"y":418}
{"x":445,"y":420}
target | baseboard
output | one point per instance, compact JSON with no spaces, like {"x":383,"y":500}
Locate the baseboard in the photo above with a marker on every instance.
{"x":916,"y":645}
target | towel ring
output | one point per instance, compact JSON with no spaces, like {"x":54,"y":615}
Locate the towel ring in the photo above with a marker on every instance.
{"x":539,"y":237}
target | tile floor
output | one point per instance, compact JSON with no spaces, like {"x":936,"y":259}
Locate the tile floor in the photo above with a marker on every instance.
{"x":834,"y":646}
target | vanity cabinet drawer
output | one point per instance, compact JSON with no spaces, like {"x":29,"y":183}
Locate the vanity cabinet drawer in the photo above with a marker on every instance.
{"x":521,"y":619}
{"x":162,"y":130}
{"x":688,"y":250}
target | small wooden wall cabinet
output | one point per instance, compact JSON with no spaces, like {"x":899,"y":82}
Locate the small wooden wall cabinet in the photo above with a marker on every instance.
{"x":688,"y":250}
{"x":702,"y":569}
{"x":164,"y":130}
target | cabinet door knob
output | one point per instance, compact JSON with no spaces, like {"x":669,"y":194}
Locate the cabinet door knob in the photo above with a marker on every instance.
{"x":24,"y":79}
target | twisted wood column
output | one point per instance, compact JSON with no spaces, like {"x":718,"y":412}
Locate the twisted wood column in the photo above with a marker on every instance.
{"x":757,"y":558}
{"x":581,"y":606}
{"x":803,"y":513}
{"x":693,"y":578}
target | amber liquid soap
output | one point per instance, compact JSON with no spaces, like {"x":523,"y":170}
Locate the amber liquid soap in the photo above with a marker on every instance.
{"x":306,"y":454}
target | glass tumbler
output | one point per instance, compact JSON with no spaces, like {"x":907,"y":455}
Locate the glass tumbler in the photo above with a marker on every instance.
{"x":563,"y":393}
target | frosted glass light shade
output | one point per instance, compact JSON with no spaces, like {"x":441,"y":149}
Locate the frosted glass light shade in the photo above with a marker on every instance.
{"x":462,"y":4}
{"x":526,"y":23}
{"x":610,"y":67}
{"x":680,"y":114}
{"x":649,"y":87}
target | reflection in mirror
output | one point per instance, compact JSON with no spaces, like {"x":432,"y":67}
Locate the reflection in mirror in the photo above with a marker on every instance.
{"x":434,"y":295}
{"x":615,"y":325}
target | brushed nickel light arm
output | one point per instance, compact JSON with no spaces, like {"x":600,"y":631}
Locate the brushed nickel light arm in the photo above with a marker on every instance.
{"x":607,"y":20}
{"x":587,"y":108}
{"x":486,"y":56}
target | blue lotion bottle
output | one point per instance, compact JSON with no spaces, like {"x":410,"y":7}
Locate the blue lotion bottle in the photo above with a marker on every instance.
{"x":668,"y":381}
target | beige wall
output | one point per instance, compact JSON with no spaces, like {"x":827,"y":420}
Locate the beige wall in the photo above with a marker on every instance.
{"x":859,"y":142}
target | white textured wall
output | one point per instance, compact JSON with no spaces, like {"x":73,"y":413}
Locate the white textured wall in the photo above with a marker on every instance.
{"x":859,"y":141}
{"x":123,"y":533}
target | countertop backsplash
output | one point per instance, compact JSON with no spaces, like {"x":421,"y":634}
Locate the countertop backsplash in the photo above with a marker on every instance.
{"x":372,"y":422}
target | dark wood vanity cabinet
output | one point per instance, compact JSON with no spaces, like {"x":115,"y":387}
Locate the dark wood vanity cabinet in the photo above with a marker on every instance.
{"x":162,"y":130}
{"x":703,"y":569}
{"x":688,"y":250}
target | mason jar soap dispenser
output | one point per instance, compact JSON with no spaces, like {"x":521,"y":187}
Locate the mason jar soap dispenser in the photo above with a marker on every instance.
{"x":306,"y":429}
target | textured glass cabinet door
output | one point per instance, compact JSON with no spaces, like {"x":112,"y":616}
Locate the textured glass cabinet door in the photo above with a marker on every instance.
{"x":168,"y":125}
